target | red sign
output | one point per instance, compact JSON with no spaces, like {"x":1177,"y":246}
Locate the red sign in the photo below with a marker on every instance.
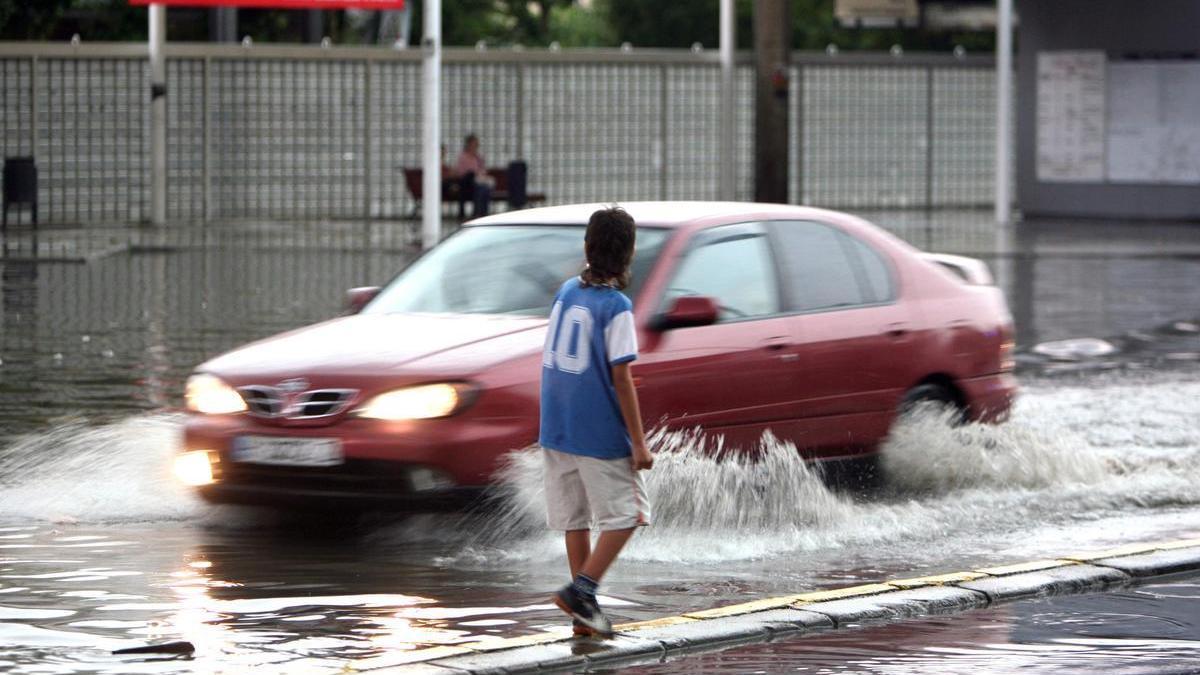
{"x":280,"y":4}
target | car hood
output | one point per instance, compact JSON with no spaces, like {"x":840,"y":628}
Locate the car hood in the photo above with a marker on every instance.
{"x":382,"y":345}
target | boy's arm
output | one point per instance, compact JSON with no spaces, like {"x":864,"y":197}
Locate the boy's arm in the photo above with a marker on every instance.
{"x":622,"y":378}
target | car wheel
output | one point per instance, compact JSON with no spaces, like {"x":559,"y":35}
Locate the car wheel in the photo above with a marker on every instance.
{"x":931,"y":398}
{"x":922,"y":403}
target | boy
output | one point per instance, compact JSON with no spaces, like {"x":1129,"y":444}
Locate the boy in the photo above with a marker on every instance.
{"x":591,"y":429}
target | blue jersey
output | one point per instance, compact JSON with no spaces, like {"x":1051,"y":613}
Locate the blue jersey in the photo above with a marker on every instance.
{"x":590,"y":330}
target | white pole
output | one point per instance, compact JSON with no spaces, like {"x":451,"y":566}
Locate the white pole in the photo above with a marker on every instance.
{"x":1004,"y":71}
{"x":726,"y":123}
{"x":158,"y":115}
{"x":431,"y":107}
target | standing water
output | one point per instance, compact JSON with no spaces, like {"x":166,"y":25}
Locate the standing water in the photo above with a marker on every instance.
{"x":100,"y":548}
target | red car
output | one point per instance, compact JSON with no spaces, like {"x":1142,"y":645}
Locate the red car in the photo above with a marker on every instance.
{"x":811,"y":323}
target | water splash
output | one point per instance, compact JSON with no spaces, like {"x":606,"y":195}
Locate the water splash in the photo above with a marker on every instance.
{"x":1068,"y":452}
{"x":1097,"y":448}
{"x":75,"y":472}
{"x":926,"y":453}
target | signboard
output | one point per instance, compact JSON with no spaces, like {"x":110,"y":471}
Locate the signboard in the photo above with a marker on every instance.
{"x":1153,"y":125}
{"x":280,"y":4}
{"x":1070,"y":116}
{"x":882,"y":13}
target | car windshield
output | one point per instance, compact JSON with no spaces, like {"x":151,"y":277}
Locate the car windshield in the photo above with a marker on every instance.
{"x":502,"y":269}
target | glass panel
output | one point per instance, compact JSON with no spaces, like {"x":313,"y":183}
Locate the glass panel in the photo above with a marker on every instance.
{"x":876,"y":276}
{"x":510,"y":269}
{"x":818,"y":270}
{"x":737,"y":271}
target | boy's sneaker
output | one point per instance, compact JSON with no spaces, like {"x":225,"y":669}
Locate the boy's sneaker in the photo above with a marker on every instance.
{"x":580,"y":630}
{"x":584,"y":610}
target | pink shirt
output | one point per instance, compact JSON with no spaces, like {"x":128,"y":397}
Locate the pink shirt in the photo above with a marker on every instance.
{"x":469,"y":163}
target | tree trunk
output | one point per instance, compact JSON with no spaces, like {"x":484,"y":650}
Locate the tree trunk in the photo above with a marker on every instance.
{"x":772,"y":46}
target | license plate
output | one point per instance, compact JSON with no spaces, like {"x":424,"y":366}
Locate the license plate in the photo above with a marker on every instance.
{"x":287,"y":451}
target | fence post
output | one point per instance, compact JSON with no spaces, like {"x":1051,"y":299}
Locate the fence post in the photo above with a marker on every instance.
{"x":158,"y":114}
{"x":929,"y":137}
{"x":33,"y":107}
{"x":662,"y":133}
{"x":799,"y":133}
{"x":521,"y":154}
{"x":727,"y":190}
{"x":1004,"y":55}
{"x":431,"y":125}
{"x":207,"y":122}
{"x":367,"y":140}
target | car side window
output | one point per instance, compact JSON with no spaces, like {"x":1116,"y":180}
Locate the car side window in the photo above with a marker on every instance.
{"x":876,"y":279}
{"x":822,"y":269}
{"x":733,"y":265}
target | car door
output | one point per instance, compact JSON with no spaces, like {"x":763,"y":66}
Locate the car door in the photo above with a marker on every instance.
{"x":855,"y":342}
{"x":735,"y":377}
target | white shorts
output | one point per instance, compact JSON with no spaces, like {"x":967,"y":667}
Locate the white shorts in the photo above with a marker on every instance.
{"x":584,"y":493}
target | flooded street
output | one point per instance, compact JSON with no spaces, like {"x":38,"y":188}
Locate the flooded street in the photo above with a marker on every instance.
{"x":1151,"y":629}
{"x":101,"y":549}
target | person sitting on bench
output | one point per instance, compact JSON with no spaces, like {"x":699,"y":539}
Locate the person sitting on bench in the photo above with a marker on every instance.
{"x":471,"y":169}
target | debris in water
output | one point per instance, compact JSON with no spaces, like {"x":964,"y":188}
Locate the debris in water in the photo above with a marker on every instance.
{"x":178,"y":647}
{"x":1182,"y":356}
{"x":1075,"y":349}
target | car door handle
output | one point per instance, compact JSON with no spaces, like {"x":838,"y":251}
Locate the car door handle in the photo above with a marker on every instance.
{"x":776,"y":343}
{"x":896,"y":330}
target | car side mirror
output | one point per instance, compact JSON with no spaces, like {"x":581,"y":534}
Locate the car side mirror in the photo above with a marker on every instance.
{"x":357,"y":298}
{"x":688,"y":311}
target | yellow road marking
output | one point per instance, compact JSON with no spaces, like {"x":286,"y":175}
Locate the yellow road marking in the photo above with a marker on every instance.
{"x":1132,"y":549}
{"x":1018,"y":568}
{"x":1182,"y":543}
{"x":744,"y":608}
{"x":936,"y":579}
{"x":520,"y":641}
{"x":841,"y":593}
{"x":653,"y":623}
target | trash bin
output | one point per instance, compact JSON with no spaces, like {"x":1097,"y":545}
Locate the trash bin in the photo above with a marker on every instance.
{"x":517,"y":177}
{"x":20,"y":185}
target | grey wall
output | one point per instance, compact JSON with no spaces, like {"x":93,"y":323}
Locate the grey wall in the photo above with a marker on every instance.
{"x":1117,"y":27}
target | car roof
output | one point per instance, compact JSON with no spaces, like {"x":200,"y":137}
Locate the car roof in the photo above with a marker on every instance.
{"x":657,"y":214}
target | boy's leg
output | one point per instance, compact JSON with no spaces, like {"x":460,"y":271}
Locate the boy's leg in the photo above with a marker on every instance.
{"x":579,"y":547}
{"x":617,"y":499}
{"x":607,"y":548}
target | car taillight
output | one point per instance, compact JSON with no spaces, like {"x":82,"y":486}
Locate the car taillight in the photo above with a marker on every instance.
{"x":1006,"y":356}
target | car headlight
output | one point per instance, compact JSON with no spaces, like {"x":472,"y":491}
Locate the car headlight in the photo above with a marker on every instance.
{"x":210,"y":395}
{"x":422,"y":402}
{"x":194,"y":468}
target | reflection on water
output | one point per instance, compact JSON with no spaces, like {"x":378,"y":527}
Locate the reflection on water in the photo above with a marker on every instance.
{"x":1152,"y":629}
{"x":304,"y":597}
{"x":94,"y":557}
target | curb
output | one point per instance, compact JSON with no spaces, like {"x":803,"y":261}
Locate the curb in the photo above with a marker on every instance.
{"x":760,"y":620}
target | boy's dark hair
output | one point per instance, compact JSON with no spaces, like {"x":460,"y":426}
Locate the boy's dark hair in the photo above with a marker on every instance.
{"x":608,"y":245}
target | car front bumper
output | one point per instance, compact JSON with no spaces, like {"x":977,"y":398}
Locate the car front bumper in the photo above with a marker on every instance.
{"x":302,"y":498}
{"x":428,"y":466}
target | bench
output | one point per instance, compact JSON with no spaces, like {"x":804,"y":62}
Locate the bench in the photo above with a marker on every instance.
{"x":460,"y":190}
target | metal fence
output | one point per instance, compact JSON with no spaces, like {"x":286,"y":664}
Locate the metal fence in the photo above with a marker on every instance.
{"x":305,"y":132}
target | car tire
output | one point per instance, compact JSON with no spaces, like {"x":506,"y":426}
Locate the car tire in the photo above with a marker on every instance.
{"x":932,"y":396}
{"x":927,"y":398}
